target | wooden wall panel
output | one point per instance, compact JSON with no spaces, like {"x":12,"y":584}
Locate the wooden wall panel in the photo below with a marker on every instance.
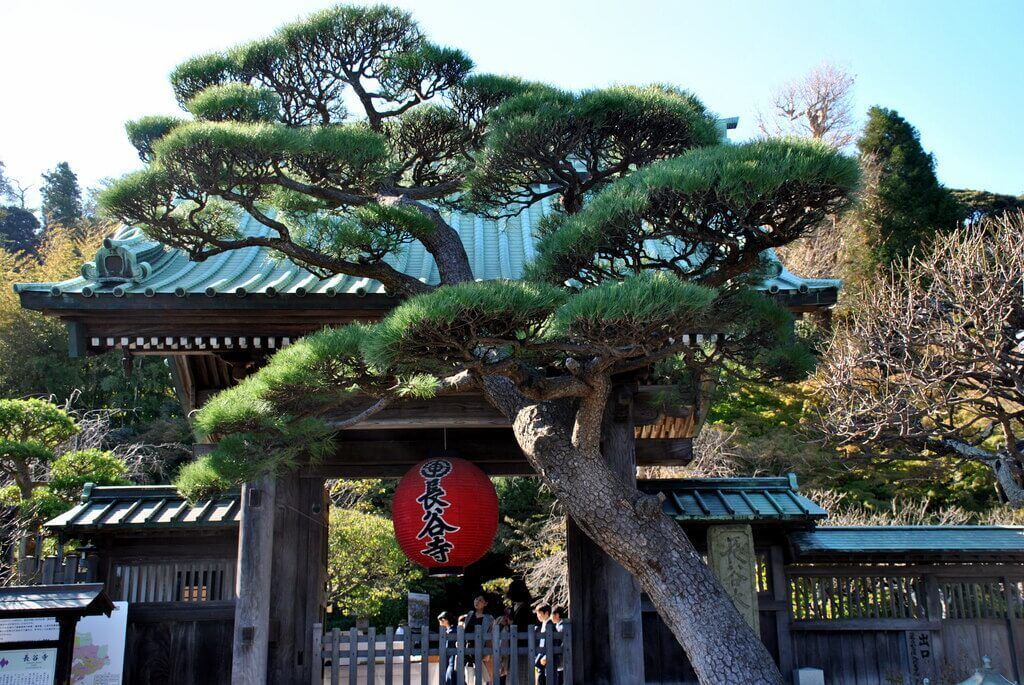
{"x":176,"y":648}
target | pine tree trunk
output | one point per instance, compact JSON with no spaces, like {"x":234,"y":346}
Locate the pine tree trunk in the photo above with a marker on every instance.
{"x":632,"y":529}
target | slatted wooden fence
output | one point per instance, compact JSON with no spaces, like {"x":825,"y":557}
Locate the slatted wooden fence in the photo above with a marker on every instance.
{"x":421,"y":657}
{"x":209,"y":580}
{"x":901,"y":624}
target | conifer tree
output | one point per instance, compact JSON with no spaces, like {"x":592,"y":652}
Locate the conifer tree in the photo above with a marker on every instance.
{"x":62,"y":197}
{"x":19,"y":229}
{"x":350,"y":134}
{"x":5,"y":184}
{"x":908,"y":205}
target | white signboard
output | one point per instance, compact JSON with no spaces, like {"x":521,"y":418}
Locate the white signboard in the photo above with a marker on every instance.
{"x":29,"y":630}
{"x":99,"y":648}
{"x":419,"y":610}
{"x":27,"y":666}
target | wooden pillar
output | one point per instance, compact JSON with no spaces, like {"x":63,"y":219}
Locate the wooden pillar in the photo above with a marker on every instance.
{"x":604,"y":598}
{"x":783,"y":612}
{"x":253,"y":583}
{"x":65,"y":649}
{"x":298,"y":572}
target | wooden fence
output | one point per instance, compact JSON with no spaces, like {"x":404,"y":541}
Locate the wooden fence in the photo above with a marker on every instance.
{"x":902,"y":624}
{"x":421,"y":657}
{"x":201,"y":580}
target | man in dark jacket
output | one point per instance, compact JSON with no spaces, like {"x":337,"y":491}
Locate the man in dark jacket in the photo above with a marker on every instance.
{"x":446,"y":621}
{"x":543,"y":614}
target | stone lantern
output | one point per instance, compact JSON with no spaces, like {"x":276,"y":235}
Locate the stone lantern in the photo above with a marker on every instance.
{"x":986,"y":676}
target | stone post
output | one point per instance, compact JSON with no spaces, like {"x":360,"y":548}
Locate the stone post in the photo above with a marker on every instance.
{"x":731,"y":558}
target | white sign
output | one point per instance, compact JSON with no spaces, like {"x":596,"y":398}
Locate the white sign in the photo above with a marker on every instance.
{"x":29,"y":630}
{"x":99,"y":648}
{"x":27,"y":666}
{"x":419,"y":610}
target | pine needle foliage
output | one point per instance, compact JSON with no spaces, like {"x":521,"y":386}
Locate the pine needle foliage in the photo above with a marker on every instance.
{"x":235,"y":102}
{"x":637,"y":309}
{"x":444,"y":330}
{"x":715,"y":210}
{"x":349,"y":134}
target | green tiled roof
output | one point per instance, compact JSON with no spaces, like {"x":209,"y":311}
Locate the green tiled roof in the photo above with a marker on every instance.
{"x":145,"y":507}
{"x":898,"y":541}
{"x":720,"y":500}
{"x":130,"y":264}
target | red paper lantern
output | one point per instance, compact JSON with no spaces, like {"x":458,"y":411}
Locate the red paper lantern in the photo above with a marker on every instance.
{"x":445,"y":514}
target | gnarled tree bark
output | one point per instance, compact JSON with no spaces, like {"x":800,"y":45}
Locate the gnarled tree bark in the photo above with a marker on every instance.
{"x":632,"y":529}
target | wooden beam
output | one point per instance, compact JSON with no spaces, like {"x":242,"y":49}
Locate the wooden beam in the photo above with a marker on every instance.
{"x":380,"y":454}
{"x":249,"y":649}
{"x":454,"y":411}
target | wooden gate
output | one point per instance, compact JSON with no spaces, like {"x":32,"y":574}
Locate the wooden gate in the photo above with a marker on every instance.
{"x":899,"y":625}
{"x":421,"y":657}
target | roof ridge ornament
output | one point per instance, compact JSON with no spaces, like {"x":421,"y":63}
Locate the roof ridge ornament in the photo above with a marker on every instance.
{"x":115,"y":263}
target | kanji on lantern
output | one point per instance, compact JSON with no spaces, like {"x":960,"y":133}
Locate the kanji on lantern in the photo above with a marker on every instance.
{"x":445,"y":513}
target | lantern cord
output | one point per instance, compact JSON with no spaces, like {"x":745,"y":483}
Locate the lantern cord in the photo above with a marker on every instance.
{"x":444,"y":438}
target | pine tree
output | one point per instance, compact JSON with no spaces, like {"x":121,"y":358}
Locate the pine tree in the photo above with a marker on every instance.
{"x":338,"y":191}
{"x":5,"y":184}
{"x":19,"y":229}
{"x":907,"y":205}
{"x":62,"y":197}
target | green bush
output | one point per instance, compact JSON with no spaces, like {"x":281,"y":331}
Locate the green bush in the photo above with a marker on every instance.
{"x":72,"y":470}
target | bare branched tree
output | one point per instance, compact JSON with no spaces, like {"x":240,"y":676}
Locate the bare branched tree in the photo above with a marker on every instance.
{"x":544,"y":563}
{"x":818,"y":105}
{"x":904,"y":511}
{"x":931,"y":359}
{"x":144,"y":462}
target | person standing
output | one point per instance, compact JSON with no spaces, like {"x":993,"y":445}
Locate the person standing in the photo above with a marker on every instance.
{"x":478,"y":617}
{"x":558,"y":616}
{"x":521,"y":616}
{"x":447,"y":629}
{"x":543,"y":614}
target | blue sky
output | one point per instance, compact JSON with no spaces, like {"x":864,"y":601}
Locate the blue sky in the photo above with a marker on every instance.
{"x":72,"y":72}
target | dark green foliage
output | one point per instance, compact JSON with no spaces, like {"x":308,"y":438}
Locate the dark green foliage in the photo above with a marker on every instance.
{"x":235,"y":102}
{"x":35,"y":421}
{"x":546,"y":142}
{"x":430,"y":144}
{"x":241,"y":457}
{"x":34,"y":347}
{"x":197,"y":74}
{"x":72,"y":470}
{"x":642,"y":310}
{"x":714,"y":209}
{"x":19,"y":229}
{"x":62,"y":198}
{"x":29,"y":432}
{"x":371,"y":231}
{"x":980,"y":205}
{"x":145,"y":132}
{"x":5,"y":184}
{"x":909,"y":205}
{"x":441,"y":331}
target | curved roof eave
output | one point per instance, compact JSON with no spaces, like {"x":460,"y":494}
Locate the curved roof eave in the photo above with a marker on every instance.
{"x":143,"y":268}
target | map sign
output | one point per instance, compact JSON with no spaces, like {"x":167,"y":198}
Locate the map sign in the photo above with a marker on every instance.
{"x":99,"y":648}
